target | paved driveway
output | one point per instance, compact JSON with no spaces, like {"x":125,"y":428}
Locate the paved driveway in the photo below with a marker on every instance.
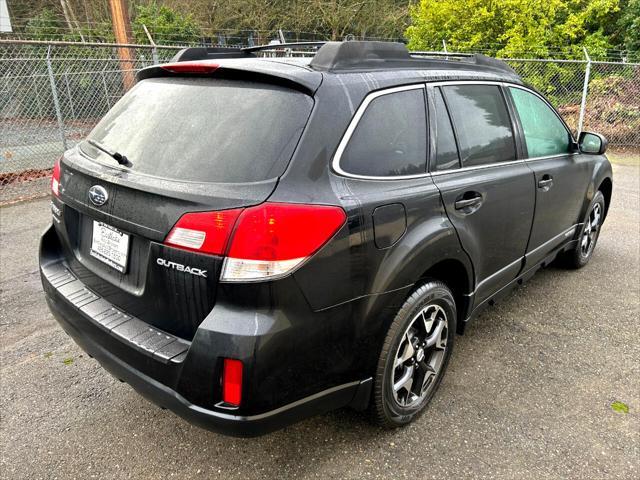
{"x":528,"y":393}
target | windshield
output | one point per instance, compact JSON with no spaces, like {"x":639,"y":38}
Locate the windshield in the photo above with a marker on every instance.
{"x":204,"y":130}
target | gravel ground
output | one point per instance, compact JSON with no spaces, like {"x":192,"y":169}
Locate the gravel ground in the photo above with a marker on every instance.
{"x":528,"y":393}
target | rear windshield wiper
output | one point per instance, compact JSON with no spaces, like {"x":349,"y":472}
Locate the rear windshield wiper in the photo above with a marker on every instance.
{"x":118,"y":157}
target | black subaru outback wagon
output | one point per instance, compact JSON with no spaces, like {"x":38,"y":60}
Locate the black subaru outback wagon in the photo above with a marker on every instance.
{"x":249,"y":241}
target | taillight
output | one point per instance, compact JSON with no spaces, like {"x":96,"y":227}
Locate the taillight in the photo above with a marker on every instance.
{"x":232,"y":382}
{"x":206,"y":232}
{"x":201,"y":68}
{"x":55,"y":179}
{"x":272,"y":239}
{"x":269,"y":240}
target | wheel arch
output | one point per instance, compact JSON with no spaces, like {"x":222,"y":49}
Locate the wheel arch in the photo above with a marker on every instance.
{"x":606,"y":187}
{"x":458,"y":278}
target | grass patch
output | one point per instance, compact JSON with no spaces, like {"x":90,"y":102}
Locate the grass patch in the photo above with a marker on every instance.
{"x":48,"y":355}
{"x":620,"y":407}
{"x":68,"y":361}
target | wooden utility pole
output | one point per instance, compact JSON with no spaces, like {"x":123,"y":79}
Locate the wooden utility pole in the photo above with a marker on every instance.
{"x":122,"y":32}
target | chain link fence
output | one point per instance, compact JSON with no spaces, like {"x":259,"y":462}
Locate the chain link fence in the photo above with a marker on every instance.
{"x":52,"y":94}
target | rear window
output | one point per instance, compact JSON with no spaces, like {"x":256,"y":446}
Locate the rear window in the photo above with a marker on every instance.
{"x":204,"y":130}
{"x":390,"y":138}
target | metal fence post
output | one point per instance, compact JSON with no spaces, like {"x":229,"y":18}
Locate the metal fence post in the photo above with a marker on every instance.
{"x":154,"y":50}
{"x":66,"y":81}
{"x":56,"y":103}
{"x":106,"y":90}
{"x":585,"y":89}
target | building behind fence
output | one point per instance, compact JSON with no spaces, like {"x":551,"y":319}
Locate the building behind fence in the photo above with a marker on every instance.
{"x":52,"y":94}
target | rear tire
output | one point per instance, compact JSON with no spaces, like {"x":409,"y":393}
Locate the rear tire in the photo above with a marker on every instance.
{"x":580,"y":255}
{"x":415,"y":355}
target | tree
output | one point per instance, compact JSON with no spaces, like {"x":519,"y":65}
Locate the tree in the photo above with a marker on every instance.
{"x":543,"y":28}
{"x":45,"y":26}
{"x":629,"y":25}
{"x":166,"y":25}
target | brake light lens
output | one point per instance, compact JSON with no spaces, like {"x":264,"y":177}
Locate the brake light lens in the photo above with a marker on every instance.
{"x":272,"y":239}
{"x":205,"y":232}
{"x":232,"y":382}
{"x":263,"y":242}
{"x":200,"y":68}
{"x":55,"y":179}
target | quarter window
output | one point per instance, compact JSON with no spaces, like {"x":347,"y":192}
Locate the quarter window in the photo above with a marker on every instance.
{"x":544,"y":133}
{"x":482,"y":124}
{"x":390,"y":138}
{"x":446,"y":150}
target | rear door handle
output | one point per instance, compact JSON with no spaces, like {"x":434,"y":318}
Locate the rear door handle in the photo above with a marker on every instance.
{"x":468,"y":202}
{"x":546,"y":182}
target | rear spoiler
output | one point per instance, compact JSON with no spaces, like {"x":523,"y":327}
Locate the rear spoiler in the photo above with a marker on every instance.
{"x":251,"y":69}
{"x":239,"y":63}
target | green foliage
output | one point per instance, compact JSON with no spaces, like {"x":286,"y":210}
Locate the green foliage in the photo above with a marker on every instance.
{"x":629,"y":24}
{"x":164,"y":22}
{"x":620,"y":407}
{"x":46,"y":25}
{"x":542,"y":28}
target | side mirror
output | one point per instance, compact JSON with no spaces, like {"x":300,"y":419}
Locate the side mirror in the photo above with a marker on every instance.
{"x":592,"y":143}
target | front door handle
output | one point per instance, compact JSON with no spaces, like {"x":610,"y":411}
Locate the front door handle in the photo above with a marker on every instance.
{"x":463,"y":203}
{"x":546,"y":182}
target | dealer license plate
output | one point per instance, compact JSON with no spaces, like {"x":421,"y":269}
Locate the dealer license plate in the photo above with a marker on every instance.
{"x":110,"y":245}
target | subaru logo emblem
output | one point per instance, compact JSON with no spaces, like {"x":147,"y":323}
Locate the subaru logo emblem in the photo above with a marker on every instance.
{"x":98,"y":195}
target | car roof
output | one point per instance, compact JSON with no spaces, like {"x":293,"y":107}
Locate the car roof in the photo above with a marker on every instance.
{"x":372,"y":64}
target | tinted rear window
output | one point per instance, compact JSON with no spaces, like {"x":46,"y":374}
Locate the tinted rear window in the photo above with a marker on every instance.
{"x":204,"y":130}
{"x":391,"y":137}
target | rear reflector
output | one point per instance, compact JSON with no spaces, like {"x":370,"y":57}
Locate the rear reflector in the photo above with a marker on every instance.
{"x":205,"y":232}
{"x":55,"y":179}
{"x":232,"y":382}
{"x":200,"y":68}
{"x":269,"y":240}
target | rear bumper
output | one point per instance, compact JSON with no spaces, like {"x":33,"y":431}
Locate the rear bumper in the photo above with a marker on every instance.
{"x":176,"y":374}
{"x":165,"y":397}
{"x":237,"y":425}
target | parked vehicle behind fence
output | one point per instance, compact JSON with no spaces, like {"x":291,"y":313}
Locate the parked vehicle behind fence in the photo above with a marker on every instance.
{"x":250,"y":241}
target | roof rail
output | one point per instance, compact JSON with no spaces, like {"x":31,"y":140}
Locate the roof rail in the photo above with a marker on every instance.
{"x":275,"y":46}
{"x":353,"y":56}
{"x":429,"y":53}
{"x":366,"y":55}
{"x":477,"y":58}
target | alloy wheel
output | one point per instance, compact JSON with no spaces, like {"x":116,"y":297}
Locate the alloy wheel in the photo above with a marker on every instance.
{"x":420,"y":356}
{"x":590,"y":232}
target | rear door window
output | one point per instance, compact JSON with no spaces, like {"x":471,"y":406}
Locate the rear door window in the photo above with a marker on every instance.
{"x":390,"y":138}
{"x":544,"y":132}
{"x":204,"y":130}
{"x":482,"y":124}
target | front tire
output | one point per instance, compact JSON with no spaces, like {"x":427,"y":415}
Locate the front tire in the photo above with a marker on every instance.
{"x":415,"y":355}
{"x":580,"y":255}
